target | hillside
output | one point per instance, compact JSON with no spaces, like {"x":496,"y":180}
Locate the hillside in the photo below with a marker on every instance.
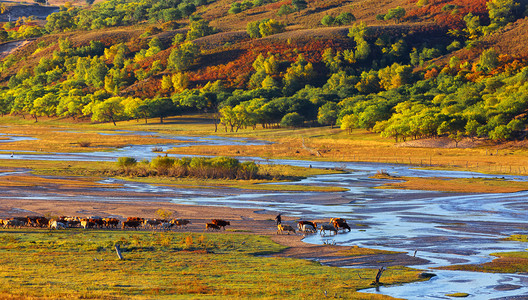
{"x":405,"y":69}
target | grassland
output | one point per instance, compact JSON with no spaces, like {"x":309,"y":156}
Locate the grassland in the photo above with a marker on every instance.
{"x":83,"y":264}
{"x":506,"y":262}
{"x":320,"y":143}
{"x":458,"y":185}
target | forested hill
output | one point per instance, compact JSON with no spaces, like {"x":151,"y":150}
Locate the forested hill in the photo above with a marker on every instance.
{"x":407,"y":69}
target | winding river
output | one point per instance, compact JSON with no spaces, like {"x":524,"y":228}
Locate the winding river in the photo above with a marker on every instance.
{"x":443,"y":228}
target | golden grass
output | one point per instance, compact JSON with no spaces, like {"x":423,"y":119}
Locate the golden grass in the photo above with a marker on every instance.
{"x":319,"y":143}
{"x":357,"y":251}
{"x":507,"y":262}
{"x":459,"y":185}
{"x":29,"y":180}
{"x":77,"y":264}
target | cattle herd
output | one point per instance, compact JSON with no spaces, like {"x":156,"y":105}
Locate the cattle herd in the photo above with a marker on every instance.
{"x":311,"y":227}
{"x":137,"y":223}
{"x":94,"y":222}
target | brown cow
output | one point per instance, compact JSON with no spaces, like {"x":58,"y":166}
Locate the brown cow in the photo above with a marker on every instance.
{"x":284,"y":228}
{"x":179,"y":223}
{"x":339,"y":223}
{"x":132,"y":224}
{"x":221,"y":223}
{"x":211,"y":226}
{"x":301,"y":223}
{"x":152,"y":223}
{"x":111,"y":222}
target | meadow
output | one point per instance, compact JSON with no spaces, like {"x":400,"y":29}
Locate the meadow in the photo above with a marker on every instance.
{"x":77,"y":264}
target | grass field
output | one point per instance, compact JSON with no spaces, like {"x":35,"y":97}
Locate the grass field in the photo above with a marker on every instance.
{"x":77,"y":264}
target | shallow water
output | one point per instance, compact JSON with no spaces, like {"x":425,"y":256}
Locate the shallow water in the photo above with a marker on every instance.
{"x":443,"y":228}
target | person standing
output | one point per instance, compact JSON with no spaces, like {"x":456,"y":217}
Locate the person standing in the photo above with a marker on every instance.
{"x":278,"y":219}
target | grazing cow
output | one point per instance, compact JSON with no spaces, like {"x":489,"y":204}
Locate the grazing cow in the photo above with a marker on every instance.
{"x":221,"y":223}
{"x":301,"y":223}
{"x":152,"y":223}
{"x":284,"y":228}
{"x":326,"y":227}
{"x":211,"y":226}
{"x":111,"y":222}
{"x":180,"y":223}
{"x":132,"y":224}
{"x":88,"y":223}
{"x":13,"y":223}
{"x":135,"y":219}
{"x":54,"y":224}
{"x":339,"y":223}
{"x":308,"y":228}
{"x":166,"y":226}
{"x":32,"y":221}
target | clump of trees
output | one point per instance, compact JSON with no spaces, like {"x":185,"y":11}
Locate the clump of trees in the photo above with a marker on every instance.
{"x":198,"y":167}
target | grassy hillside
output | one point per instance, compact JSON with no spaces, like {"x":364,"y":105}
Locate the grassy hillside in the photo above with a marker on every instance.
{"x":383,"y":66}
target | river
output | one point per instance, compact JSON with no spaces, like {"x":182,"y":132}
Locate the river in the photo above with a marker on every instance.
{"x":443,"y":228}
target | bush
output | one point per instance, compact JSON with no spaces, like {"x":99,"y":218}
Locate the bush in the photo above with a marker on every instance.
{"x":327,"y":20}
{"x":162,"y":164}
{"x":126,"y":162}
{"x":292,"y":120}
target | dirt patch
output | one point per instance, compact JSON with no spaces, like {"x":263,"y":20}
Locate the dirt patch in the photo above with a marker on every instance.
{"x":10,"y":47}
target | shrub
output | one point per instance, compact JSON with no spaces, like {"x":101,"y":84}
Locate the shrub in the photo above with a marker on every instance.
{"x":327,"y":20}
{"x":126,"y":162}
{"x":292,"y":120}
{"x":162,"y":164}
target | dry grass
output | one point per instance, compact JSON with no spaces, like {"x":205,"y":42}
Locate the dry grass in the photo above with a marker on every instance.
{"x":507,"y":262}
{"x":463,"y":185}
{"x":330,"y":144}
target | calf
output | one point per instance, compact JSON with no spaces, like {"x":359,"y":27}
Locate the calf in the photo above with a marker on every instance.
{"x":283,"y":227}
{"x":221,"y":223}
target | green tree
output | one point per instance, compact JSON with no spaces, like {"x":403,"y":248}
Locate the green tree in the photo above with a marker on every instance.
{"x":328,"y":20}
{"x":183,"y":56}
{"x":501,"y":12}
{"x":489,"y":60}
{"x":109,"y":110}
{"x":270,"y":27}
{"x":327,"y":114}
{"x":299,"y":4}
{"x":161,"y":108}
{"x":395,"y":13}
{"x":345,"y":18}
{"x":349,"y":122}
{"x":198,"y":29}
{"x":292,"y":119}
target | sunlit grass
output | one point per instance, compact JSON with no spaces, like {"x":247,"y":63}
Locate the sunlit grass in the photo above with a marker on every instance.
{"x":460,"y":185}
{"x":507,"y":262}
{"x":317,"y":143}
{"x":87,"y":174}
{"x":79,"y":264}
